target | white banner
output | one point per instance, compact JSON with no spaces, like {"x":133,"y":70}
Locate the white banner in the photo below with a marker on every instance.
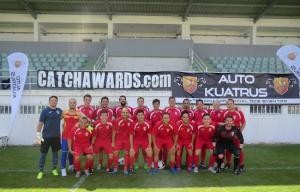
{"x":18,"y":66}
{"x":290,"y":55}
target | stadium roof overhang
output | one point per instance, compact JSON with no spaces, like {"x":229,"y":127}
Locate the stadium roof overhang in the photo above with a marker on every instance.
{"x":254,"y":9}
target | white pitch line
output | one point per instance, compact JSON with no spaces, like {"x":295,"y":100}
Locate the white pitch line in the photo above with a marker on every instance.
{"x":78,"y":183}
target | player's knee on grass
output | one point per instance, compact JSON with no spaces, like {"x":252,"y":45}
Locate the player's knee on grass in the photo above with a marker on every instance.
{"x":236,"y":153}
{"x":110,"y":155}
{"x":190,"y":152}
{"x":197,"y":152}
{"x":149,"y":152}
{"x":89,"y":156}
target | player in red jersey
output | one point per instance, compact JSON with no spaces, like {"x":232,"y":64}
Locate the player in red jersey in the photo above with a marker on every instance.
{"x":204,"y":134}
{"x":141,"y":106}
{"x":122,"y":141}
{"x":123,"y":104}
{"x":187,"y":107}
{"x":216,"y":113}
{"x":79,"y":143}
{"x":198,"y":115}
{"x":239,"y":122}
{"x":102,"y":138}
{"x":164,"y":135}
{"x":71,"y":118}
{"x":156,"y":114}
{"x":174,"y":111}
{"x":141,"y":135}
{"x":186,"y":138}
{"x":104,"y":106}
{"x":86,"y":109}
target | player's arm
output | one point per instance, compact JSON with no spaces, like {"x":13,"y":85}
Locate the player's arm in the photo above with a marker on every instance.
{"x":243,"y":121}
{"x":131,"y":151}
{"x":216,"y":137}
{"x":193,"y":139}
{"x":240,"y":137}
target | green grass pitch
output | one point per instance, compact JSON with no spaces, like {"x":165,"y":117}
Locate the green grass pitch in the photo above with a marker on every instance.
{"x":269,"y":168}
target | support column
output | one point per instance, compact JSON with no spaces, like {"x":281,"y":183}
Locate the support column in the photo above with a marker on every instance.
{"x":36,"y":31}
{"x":110,"y":30}
{"x":185,"y":30}
{"x":253,"y":35}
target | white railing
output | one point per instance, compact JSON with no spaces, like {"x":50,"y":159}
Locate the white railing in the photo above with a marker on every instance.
{"x":197,"y":61}
{"x":101,"y":61}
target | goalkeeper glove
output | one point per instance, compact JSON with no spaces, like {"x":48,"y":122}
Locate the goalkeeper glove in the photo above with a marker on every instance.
{"x":90,"y":128}
{"x":39,"y":138}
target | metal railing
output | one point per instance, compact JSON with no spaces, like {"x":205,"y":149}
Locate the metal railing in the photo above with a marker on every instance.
{"x":196,"y":61}
{"x":31,"y":79}
{"x":101,"y":61}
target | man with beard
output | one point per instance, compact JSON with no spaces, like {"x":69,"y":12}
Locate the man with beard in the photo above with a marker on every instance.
{"x":123,"y":104}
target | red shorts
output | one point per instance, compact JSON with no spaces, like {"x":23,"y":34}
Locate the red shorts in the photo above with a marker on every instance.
{"x":105,"y":146}
{"x":164,"y":143}
{"x":85,"y":149}
{"x":122,"y":145}
{"x":144,"y":144}
{"x":181,"y":145}
{"x":203,"y":143}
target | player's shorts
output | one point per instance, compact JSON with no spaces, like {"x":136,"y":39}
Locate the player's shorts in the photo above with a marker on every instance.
{"x":82,"y":149}
{"x":160,"y":143}
{"x":53,"y":142}
{"x":181,"y":145}
{"x":144,"y":144}
{"x":105,"y":146}
{"x":122,"y":145}
{"x":199,"y":144}
{"x":231,"y":148}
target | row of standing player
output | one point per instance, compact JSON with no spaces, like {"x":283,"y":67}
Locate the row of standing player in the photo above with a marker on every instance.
{"x":155,"y":116}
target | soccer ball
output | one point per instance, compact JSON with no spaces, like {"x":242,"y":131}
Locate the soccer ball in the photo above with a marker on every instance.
{"x":121,"y":161}
{"x":161,"y":165}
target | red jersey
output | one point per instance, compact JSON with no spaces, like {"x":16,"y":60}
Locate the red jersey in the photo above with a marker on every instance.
{"x":110,"y":113}
{"x":238,"y":117}
{"x":81,"y":137}
{"x":164,"y":131}
{"x":216,"y":116}
{"x":198,"y":114}
{"x":70,"y":120}
{"x":155,"y":116}
{"x":185,"y":133}
{"x":122,"y":128}
{"x":87,"y":111}
{"x":144,"y":109}
{"x":103,"y":132}
{"x":175,"y":114}
{"x":118,"y":111}
{"x":204,"y":133}
{"x":140,"y":131}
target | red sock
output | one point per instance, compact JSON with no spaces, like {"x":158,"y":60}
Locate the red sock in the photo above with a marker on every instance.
{"x":189,"y":160}
{"x":76,"y":162}
{"x":149,"y":162}
{"x":126,"y":161}
{"x":242,"y":158}
{"x":178,"y":160}
{"x":109,"y":162}
{"x":165,"y":155}
{"x":196,"y":160}
{"x":116,"y":161}
{"x":172,"y":164}
{"x":156,"y":164}
{"x":88,"y":164}
{"x":131,"y":162}
{"x":212,"y":160}
{"x":228,"y":157}
{"x":100,"y":160}
{"x":203,"y":154}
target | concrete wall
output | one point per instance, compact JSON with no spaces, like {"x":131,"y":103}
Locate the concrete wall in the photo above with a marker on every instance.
{"x":281,"y":128}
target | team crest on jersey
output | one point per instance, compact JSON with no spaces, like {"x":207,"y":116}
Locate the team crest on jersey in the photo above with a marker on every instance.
{"x":232,"y":133}
{"x":58,"y":112}
{"x":145,"y":128}
{"x":86,"y":134}
{"x":281,"y":85}
{"x":209,"y":129}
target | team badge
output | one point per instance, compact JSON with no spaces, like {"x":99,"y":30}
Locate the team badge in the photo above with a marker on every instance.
{"x":281,"y":85}
{"x":189,"y":84}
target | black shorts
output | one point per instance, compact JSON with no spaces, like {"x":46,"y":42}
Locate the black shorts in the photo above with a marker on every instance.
{"x":54,"y":142}
{"x":231,"y":148}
